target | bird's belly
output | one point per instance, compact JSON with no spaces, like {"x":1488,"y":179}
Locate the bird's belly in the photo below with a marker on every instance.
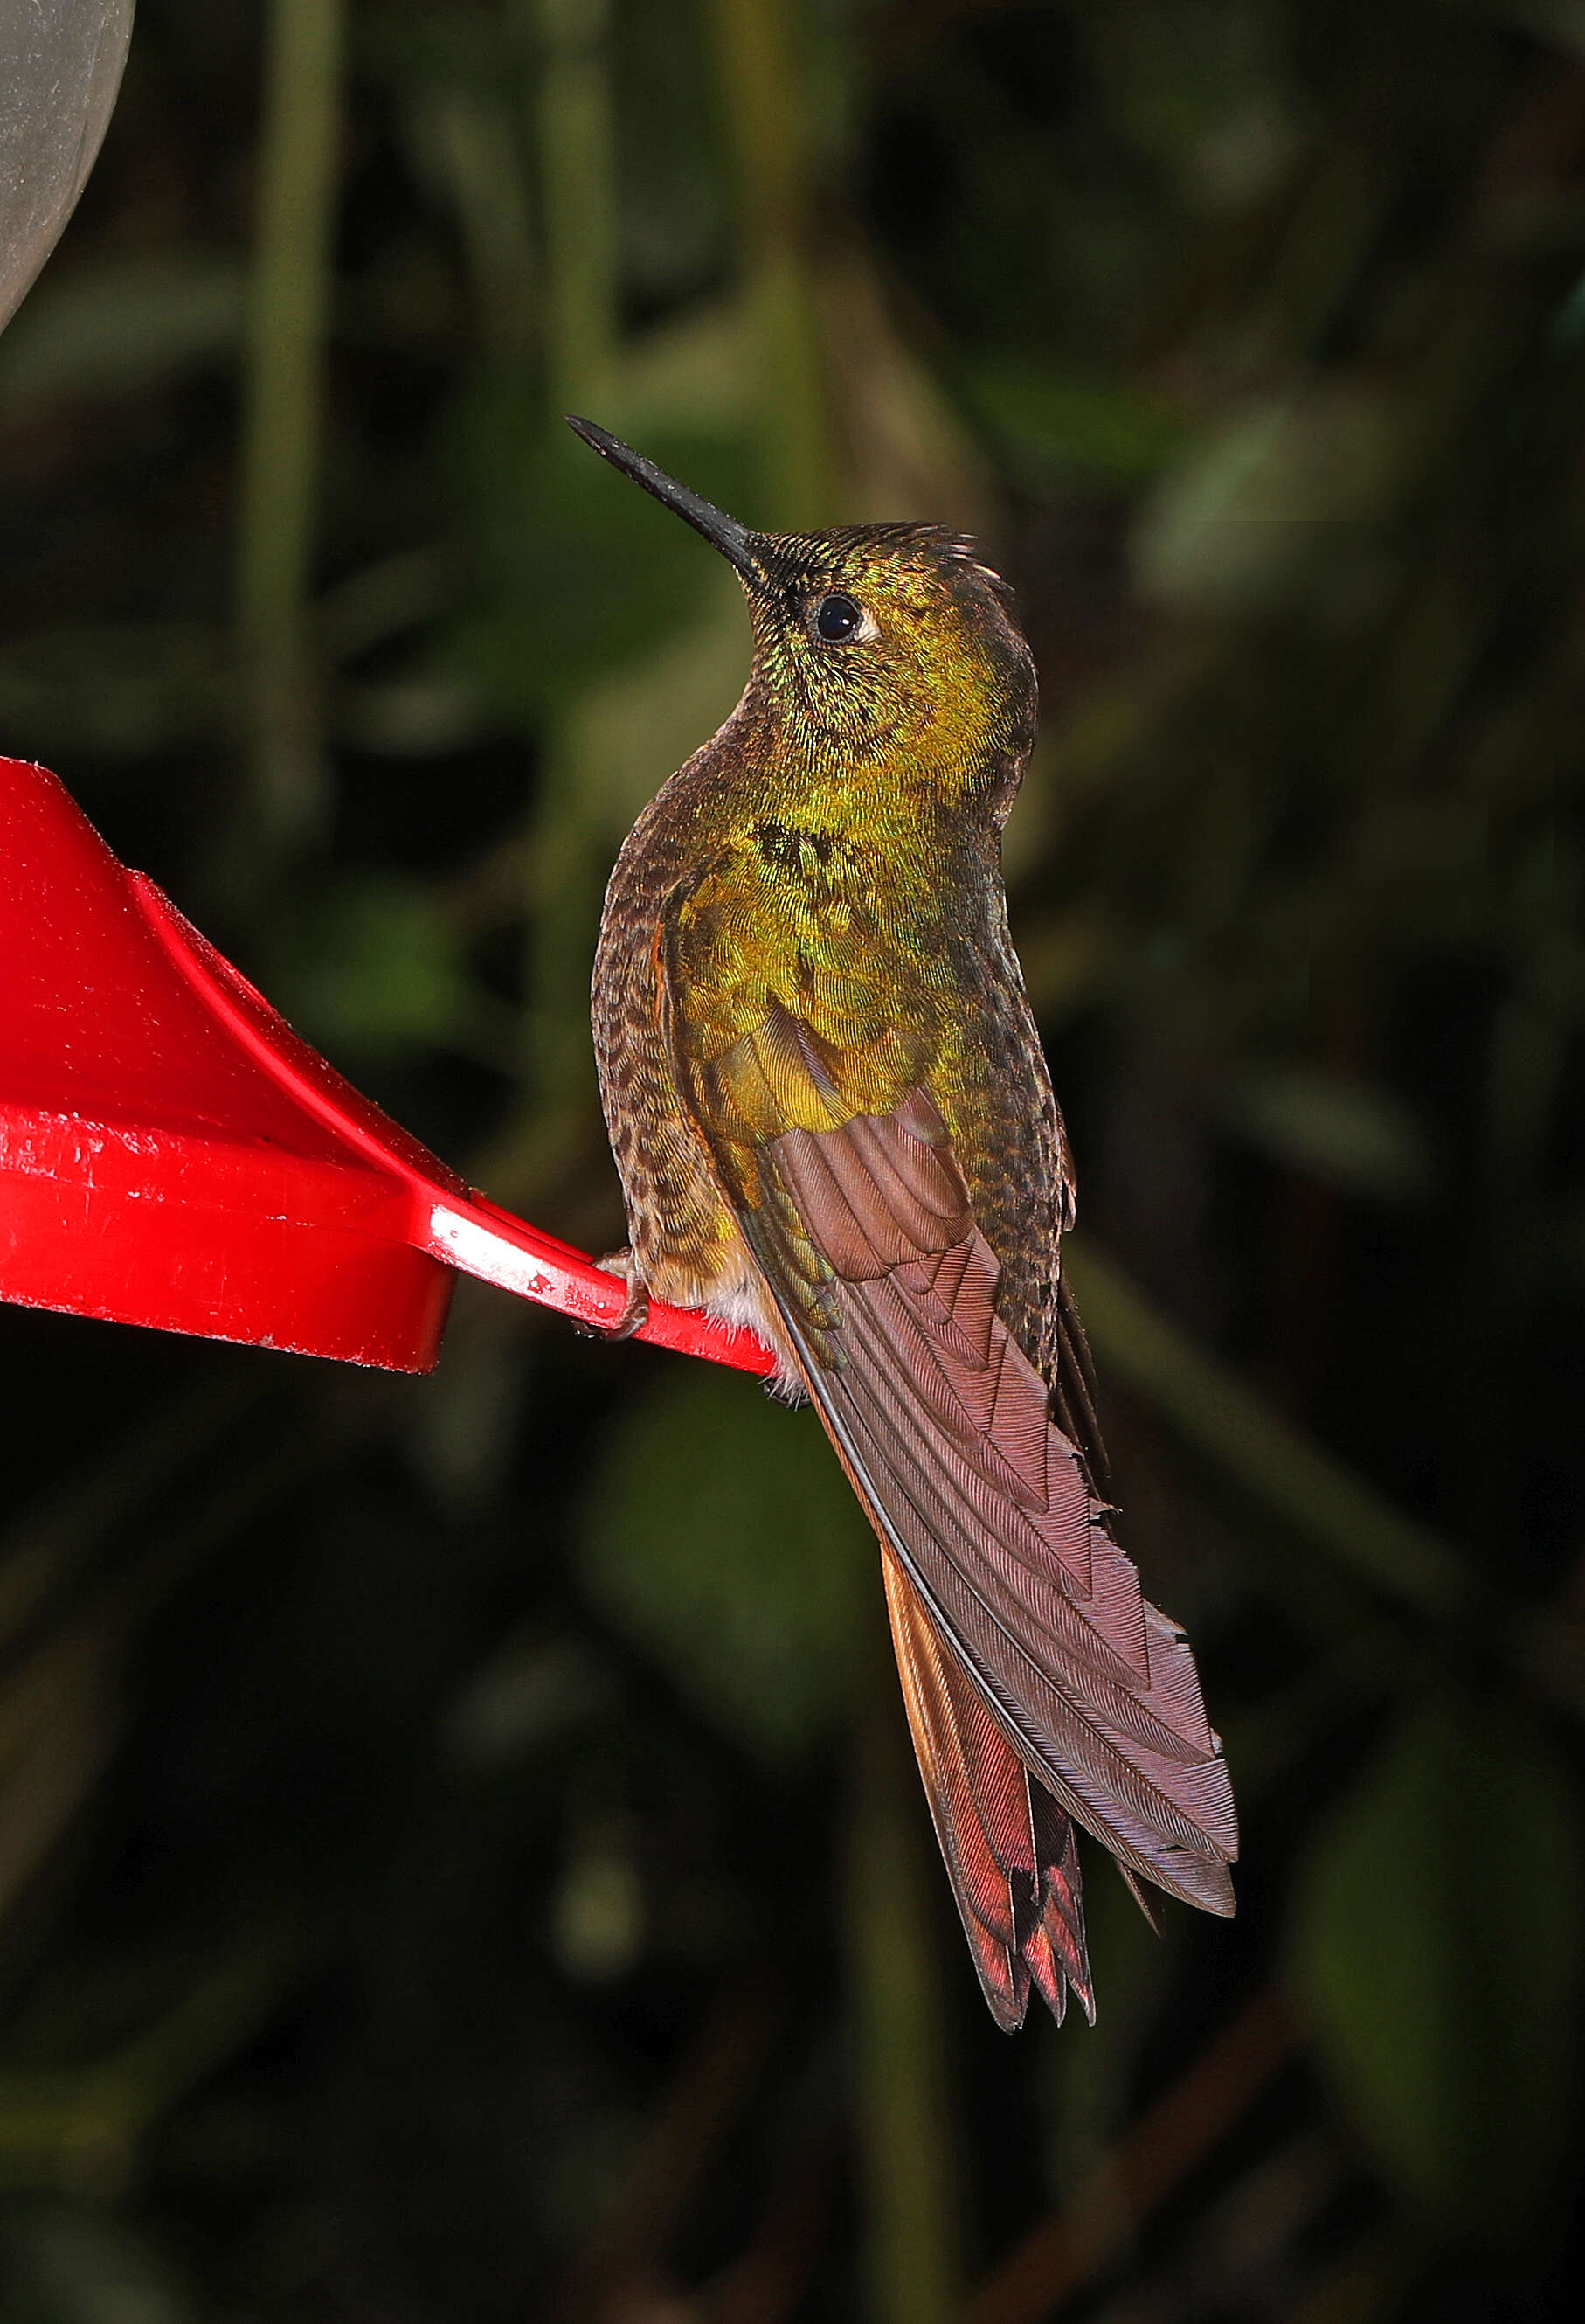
{"x":735,"y":1293}
{"x":686,"y":1244}
{"x":703,"y":1262}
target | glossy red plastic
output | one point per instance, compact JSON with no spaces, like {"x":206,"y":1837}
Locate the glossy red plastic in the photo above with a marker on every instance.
{"x":171,"y":1154}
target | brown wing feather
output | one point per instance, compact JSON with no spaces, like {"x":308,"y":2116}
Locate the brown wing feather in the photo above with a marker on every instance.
{"x":1010,"y":1848}
{"x":1075,"y":1394}
{"x":942,"y":1424}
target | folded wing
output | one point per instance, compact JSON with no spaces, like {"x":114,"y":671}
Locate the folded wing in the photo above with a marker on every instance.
{"x":1042,"y":1688}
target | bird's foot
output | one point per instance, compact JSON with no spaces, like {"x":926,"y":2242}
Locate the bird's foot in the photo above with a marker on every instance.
{"x":635,"y":1313}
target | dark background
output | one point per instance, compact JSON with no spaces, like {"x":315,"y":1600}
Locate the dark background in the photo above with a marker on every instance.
{"x":455,"y":1858}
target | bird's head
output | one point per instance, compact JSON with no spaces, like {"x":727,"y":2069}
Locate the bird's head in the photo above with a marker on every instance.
{"x":884,"y":642}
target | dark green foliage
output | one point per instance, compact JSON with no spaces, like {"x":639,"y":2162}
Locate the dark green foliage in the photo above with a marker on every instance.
{"x":1438,"y":1942}
{"x":571,"y":586}
{"x":457,"y":1857}
{"x":370,"y":967}
{"x":723,"y":1537}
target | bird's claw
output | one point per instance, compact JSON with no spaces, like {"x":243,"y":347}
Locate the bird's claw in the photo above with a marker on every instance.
{"x":635,"y":1312}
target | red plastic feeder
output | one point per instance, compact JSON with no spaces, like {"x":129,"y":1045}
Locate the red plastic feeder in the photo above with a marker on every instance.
{"x":171,"y":1154}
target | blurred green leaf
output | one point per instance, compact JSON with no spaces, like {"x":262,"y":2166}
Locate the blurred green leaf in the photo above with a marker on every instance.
{"x":65,"y":2264}
{"x":1436,"y":1949}
{"x":627,"y":734}
{"x":693,"y":371}
{"x":577,"y":575}
{"x":437,"y":47}
{"x":422,"y":714}
{"x":1056,"y":422}
{"x":104,"y":332}
{"x":1204,"y":93}
{"x":1353,"y":1135}
{"x":597,"y":1909}
{"x":534,"y":1689}
{"x":121,"y":689}
{"x":369,"y":963}
{"x":1271,"y":498}
{"x":722,"y":1538}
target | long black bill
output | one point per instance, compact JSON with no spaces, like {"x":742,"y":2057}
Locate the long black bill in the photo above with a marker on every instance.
{"x":734,"y":541}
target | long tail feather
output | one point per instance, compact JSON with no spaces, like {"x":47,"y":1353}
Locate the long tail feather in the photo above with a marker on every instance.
{"x":1010,"y":1850}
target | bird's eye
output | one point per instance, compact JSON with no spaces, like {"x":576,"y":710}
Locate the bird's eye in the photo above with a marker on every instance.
{"x":837,"y":619}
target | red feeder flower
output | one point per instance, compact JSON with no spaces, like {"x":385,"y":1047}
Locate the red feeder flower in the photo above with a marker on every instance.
{"x":171,"y":1154}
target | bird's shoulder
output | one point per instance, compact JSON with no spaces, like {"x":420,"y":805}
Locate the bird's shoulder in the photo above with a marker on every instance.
{"x":791,"y":917}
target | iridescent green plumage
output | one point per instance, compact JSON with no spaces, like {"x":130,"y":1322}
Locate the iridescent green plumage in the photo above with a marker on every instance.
{"x":832,"y":1121}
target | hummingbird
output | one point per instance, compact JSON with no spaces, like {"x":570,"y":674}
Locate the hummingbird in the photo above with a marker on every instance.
{"x":833,"y":1124}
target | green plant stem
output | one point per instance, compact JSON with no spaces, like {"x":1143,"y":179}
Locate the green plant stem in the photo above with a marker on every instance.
{"x":765,"y":100}
{"x":1290,"y":1475}
{"x":905,"y":2110}
{"x":1315,"y":1496}
{"x":77,"y":2130}
{"x":1065,"y":2250}
{"x":576,"y":138}
{"x":1304,"y":1488}
{"x":472,"y":146}
{"x":283,"y":396}
{"x":576,"y":146}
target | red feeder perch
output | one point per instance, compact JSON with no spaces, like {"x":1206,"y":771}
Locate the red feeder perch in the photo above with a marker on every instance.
{"x":171,"y":1154}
